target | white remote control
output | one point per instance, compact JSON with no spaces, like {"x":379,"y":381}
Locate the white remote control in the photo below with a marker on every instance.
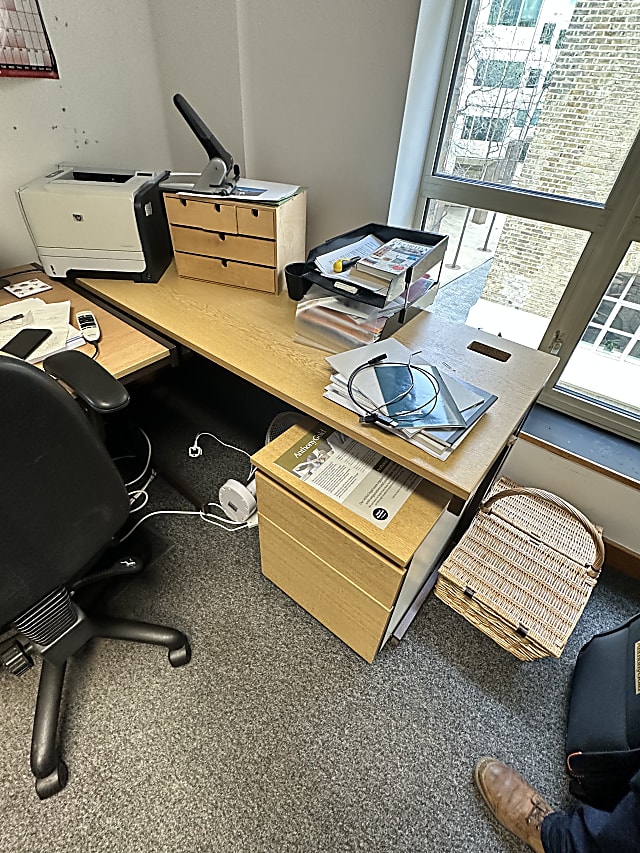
{"x":88,"y":326}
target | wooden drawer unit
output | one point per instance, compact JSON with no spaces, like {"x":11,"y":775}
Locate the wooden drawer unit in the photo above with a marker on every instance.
{"x":342,"y":568}
{"x":215,"y":244}
{"x":221,"y":271}
{"x":241,"y":244}
{"x":211,"y":216}
{"x":359,"y":564}
{"x":349,"y":613}
{"x":257,"y":222}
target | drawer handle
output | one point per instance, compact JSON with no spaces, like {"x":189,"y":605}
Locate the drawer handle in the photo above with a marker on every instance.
{"x":183,"y":202}
{"x":225,"y":263}
{"x":217,"y":207}
{"x":255,"y":211}
{"x":223,"y":237}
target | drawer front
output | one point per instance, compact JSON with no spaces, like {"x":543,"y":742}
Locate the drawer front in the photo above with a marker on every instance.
{"x":339,"y":549}
{"x":226,"y":272}
{"x":257,"y":222}
{"x":209,"y":215}
{"x":230,"y":246}
{"x":339,"y":605}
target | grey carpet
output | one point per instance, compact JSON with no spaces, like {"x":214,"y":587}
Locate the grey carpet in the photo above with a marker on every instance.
{"x":277,"y":737}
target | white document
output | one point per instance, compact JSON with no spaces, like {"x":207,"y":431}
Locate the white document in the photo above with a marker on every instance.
{"x":361,"y":247}
{"x":266,"y":192}
{"x":358,"y":478}
{"x":34,"y":313}
{"x":351,"y":277}
{"x":346,"y":362}
{"x":319,"y":298}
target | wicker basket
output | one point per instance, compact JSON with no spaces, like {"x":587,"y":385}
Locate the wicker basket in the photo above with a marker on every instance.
{"x":524,"y":570}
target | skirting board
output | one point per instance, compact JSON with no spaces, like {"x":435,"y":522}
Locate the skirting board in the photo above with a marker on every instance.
{"x":622,"y":560}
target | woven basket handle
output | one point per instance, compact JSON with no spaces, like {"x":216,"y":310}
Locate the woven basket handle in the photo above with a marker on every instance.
{"x":591,"y":529}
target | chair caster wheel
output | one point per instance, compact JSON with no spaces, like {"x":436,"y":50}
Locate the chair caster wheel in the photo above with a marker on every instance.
{"x":53,"y":783}
{"x":181,"y":656}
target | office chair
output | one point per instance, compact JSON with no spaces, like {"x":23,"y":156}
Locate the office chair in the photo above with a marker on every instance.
{"x":62,"y":503}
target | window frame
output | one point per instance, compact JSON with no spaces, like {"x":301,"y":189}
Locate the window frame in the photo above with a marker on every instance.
{"x":612,"y":227}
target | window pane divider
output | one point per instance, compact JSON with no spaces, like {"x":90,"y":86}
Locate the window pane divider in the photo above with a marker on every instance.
{"x":571,"y":213}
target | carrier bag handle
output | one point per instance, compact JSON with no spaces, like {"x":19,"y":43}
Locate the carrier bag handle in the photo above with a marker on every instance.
{"x":591,"y":529}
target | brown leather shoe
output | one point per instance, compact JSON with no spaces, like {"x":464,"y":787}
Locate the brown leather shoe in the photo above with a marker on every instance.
{"x":517,"y":805}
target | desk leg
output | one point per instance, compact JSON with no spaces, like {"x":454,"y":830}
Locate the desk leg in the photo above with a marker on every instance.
{"x":466,"y":517}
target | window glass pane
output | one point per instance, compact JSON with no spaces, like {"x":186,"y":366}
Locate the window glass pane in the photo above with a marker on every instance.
{"x":498,"y":127}
{"x":603,"y":311}
{"x":480,"y":128}
{"x":618,"y":285}
{"x":513,"y":74}
{"x":626,"y":320}
{"x":504,"y":274}
{"x":529,"y":13}
{"x":494,"y":11}
{"x":590,"y":335}
{"x":614,"y":343}
{"x":547,"y":33}
{"x":481,"y":73}
{"x":510,"y":12}
{"x":575,"y":108}
{"x":633,"y":294}
{"x":608,"y":372}
{"x":533,"y":77}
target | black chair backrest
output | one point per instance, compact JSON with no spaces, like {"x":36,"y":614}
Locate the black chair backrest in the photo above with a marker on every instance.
{"x":61,"y":497}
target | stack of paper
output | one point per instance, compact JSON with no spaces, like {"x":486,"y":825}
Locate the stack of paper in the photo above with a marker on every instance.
{"x":352,"y":252}
{"x":336,"y":323}
{"x":266,"y":192}
{"x":436,"y":426}
{"x":393,"y":258}
{"x":34,"y":313}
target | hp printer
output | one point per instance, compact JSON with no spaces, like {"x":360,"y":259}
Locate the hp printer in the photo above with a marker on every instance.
{"x":103,"y":222}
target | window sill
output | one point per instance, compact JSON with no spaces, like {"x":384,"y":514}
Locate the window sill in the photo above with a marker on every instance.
{"x":611,"y":455}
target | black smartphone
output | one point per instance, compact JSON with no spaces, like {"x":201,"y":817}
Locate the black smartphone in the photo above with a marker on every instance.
{"x":25,"y":342}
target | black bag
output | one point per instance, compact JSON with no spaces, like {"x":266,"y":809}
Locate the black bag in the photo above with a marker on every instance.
{"x":603,"y":723}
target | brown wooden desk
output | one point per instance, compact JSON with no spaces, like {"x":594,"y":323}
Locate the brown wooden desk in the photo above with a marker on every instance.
{"x":251,"y":335}
{"x":124,"y":351}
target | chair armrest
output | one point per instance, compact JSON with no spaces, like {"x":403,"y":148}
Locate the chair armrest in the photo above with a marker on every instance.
{"x":89,"y":380}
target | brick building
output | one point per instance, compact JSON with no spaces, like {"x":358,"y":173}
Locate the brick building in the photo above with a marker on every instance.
{"x":589,"y":117}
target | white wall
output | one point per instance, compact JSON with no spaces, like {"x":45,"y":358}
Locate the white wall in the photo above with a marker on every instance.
{"x":603,"y":500}
{"x":198,"y":54}
{"x":106,"y":109}
{"x":310,"y":93}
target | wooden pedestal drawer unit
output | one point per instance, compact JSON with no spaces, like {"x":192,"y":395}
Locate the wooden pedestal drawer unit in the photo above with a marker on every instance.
{"x":243,"y":244}
{"x":343,"y":569}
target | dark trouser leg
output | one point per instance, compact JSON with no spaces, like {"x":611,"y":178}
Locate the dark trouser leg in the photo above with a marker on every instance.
{"x":590,"y":830}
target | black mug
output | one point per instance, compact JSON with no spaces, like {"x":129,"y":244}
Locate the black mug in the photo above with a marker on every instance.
{"x":296,"y":284}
